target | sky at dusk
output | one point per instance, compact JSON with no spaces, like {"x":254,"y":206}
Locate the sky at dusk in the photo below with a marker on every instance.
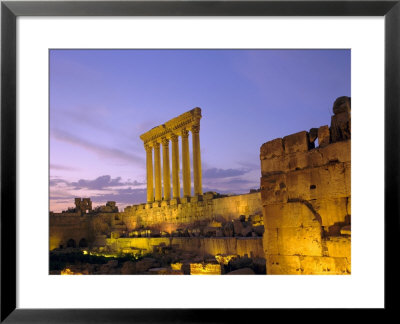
{"x":101,"y":101}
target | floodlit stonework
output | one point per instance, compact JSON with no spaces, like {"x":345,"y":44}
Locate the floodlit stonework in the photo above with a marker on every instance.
{"x":299,"y":222}
{"x":164,"y":134}
{"x":306,"y":198}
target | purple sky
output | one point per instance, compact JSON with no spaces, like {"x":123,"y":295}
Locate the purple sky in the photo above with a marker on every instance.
{"x":102,"y":100}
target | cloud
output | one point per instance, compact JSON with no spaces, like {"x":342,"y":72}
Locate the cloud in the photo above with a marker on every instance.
{"x":100,"y":150}
{"x":100,"y":190}
{"x":100,"y":183}
{"x":62,"y":167}
{"x":215,"y":173}
{"x":55,"y":182}
{"x":123,"y":196}
{"x":231,"y":183}
{"x":237,"y":181}
{"x":103,"y":182}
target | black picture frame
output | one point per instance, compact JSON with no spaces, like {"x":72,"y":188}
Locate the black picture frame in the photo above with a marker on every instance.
{"x":10,"y":10}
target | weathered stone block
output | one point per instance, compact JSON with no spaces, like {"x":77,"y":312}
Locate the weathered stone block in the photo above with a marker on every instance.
{"x":273,"y":189}
{"x":341,"y":127}
{"x":342,"y":104}
{"x":300,"y":241}
{"x":310,"y":159}
{"x":338,"y":246}
{"x":272,"y":149}
{"x":296,"y":142}
{"x":331,"y":210}
{"x":296,"y":161}
{"x":294,"y":214}
{"x":283,"y":264}
{"x":251,"y":246}
{"x":205,"y":269}
{"x":274,"y":164}
{"x":270,"y":241}
{"x":349,"y":205}
{"x":324,"y":136}
{"x":284,"y":163}
{"x":346,"y":230}
{"x":326,"y":181}
{"x":336,"y":152}
{"x":325,"y":265}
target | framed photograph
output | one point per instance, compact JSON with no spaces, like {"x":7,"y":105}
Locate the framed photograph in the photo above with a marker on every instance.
{"x":147,"y":142}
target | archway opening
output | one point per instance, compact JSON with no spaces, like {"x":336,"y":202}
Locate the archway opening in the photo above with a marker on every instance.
{"x":71,"y":243}
{"x":83,"y":243}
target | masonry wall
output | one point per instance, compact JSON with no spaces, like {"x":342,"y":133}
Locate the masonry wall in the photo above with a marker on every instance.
{"x":89,"y":226}
{"x":306,"y":199}
{"x":77,"y":226}
{"x":210,"y":208}
{"x":251,"y":246}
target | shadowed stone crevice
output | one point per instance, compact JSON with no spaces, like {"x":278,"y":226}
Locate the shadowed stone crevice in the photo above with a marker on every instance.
{"x":309,"y":206}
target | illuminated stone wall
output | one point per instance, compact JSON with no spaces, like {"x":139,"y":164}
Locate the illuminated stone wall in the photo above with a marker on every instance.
{"x":205,"y":269}
{"x":209,"y":208}
{"x":69,"y":226}
{"x":252,"y":246}
{"x":306,"y":198}
{"x":77,"y":226}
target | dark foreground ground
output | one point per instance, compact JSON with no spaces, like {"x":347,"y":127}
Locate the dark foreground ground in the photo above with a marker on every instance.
{"x":164,"y":261}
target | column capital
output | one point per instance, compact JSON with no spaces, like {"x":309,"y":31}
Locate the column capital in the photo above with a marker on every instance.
{"x":195,"y":128}
{"x":165,"y":141}
{"x":174,"y":137}
{"x":148,"y":147}
{"x":185,"y":133}
{"x":156,"y":145}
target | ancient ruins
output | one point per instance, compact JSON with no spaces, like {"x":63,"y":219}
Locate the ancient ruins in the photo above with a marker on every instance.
{"x":298,"y":222}
{"x":306,"y":197}
{"x":163,"y":134}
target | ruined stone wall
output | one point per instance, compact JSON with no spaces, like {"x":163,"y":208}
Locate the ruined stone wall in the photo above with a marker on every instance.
{"x":209,"y":209}
{"x":252,"y":246}
{"x":65,"y":226}
{"x":78,"y":226}
{"x":306,"y":197}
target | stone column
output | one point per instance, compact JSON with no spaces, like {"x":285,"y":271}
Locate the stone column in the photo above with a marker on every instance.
{"x":175,"y":167}
{"x":185,"y":163}
{"x":196,"y":160}
{"x":149,"y":168}
{"x":157,"y":167}
{"x":166,"y":173}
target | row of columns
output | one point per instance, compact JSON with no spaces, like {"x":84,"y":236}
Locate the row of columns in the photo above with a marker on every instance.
{"x":155,"y":177}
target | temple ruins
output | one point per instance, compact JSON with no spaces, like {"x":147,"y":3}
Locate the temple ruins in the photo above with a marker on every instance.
{"x":298,"y":222}
{"x":170,"y":132}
